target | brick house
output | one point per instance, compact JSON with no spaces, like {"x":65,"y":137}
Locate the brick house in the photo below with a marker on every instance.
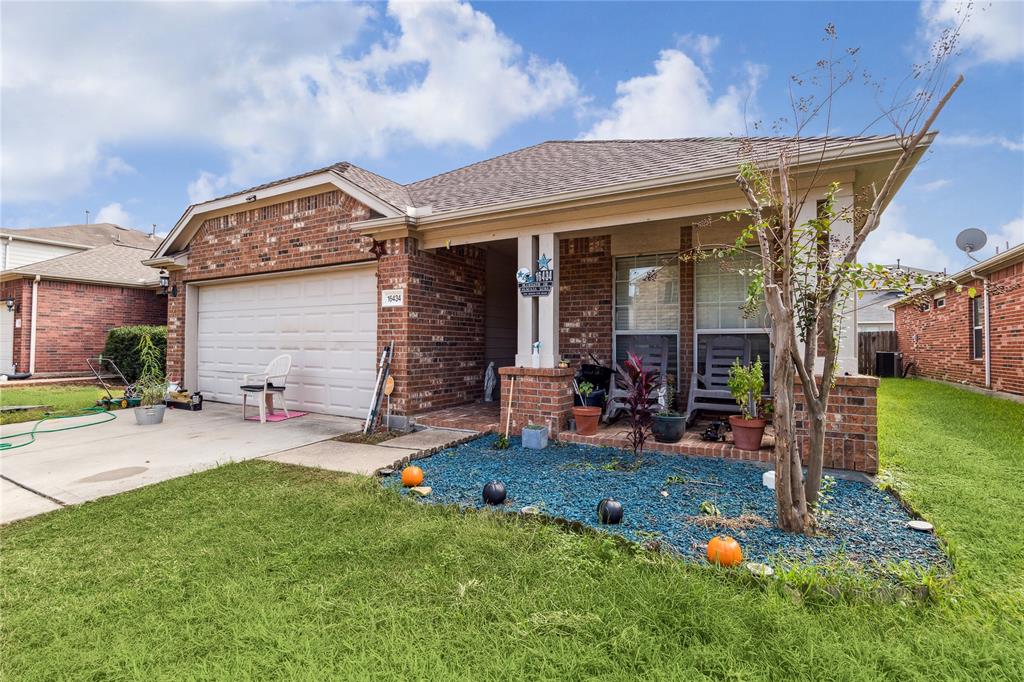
{"x":64,"y":287}
{"x":977,"y":341}
{"x":334,"y":264}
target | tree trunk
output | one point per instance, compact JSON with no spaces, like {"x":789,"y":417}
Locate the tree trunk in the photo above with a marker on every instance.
{"x":791,"y":501}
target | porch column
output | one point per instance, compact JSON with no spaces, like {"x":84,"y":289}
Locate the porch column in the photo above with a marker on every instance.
{"x":526,"y":321}
{"x":537,"y":318}
{"x":547,"y":314}
{"x":842,"y":233}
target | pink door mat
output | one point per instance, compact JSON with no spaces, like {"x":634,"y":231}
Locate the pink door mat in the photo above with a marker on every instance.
{"x":277,"y":416}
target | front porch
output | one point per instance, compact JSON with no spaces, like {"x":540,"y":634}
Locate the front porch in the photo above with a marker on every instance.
{"x":540,"y":305}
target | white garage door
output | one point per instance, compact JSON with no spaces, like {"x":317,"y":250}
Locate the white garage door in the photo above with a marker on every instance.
{"x":326,"y":321}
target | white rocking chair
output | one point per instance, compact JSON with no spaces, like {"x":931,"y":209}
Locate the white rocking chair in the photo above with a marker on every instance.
{"x":263,"y":384}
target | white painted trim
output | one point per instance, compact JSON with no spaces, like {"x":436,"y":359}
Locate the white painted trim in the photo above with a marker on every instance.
{"x":327,"y":177}
{"x":283,"y":273}
{"x":190,"y":363}
{"x":32,"y":329}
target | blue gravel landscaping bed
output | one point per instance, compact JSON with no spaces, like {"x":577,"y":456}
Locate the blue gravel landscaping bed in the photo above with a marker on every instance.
{"x":866,"y":525}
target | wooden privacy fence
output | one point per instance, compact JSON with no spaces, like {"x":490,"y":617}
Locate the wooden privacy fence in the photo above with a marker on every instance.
{"x":868,"y":343}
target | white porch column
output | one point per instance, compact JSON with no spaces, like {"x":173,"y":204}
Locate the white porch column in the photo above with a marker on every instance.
{"x":842,"y":229}
{"x":537,"y":316}
{"x":842,"y":233}
{"x":547,"y":313}
{"x":526,"y":320}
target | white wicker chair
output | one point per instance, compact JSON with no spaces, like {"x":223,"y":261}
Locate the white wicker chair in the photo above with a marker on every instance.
{"x":263,"y":384}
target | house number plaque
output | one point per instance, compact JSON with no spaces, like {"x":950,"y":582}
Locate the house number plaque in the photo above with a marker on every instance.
{"x":537,"y":283}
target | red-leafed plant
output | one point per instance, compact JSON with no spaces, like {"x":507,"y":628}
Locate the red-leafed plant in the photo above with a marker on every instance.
{"x":639,"y":385}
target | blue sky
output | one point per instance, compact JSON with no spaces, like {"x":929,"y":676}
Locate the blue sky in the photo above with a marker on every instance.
{"x":165,"y":104}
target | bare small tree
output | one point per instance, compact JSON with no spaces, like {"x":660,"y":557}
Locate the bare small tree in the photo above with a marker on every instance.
{"x":805,"y":273}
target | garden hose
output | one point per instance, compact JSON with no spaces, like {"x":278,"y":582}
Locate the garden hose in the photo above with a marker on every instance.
{"x":5,"y":443}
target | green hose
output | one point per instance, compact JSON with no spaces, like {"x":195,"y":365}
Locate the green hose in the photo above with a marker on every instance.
{"x":5,"y":445}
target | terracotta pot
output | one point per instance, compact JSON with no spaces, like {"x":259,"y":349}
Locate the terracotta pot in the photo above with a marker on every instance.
{"x":586,"y":419}
{"x":747,"y":433}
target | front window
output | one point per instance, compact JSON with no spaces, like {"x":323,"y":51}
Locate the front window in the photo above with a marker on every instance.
{"x":977,"y":328}
{"x":647,"y":310}
{"x":720,"y":294}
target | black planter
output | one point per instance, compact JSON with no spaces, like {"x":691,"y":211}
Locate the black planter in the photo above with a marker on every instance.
{"x":668,"y":429}
{"x":595,"y":399}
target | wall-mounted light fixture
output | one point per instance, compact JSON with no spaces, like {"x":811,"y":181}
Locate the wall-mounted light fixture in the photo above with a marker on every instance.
{"x":251,"y":197}
{"x":9,"y":302}
{"x":165,"y":281}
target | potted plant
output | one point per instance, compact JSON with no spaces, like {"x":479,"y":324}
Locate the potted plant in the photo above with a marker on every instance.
{"x":152,"y":384}
{"x":746,"y":384}
{"x":535,"y":437}
{"x":668,"y":425}
{"x":586,"y":415}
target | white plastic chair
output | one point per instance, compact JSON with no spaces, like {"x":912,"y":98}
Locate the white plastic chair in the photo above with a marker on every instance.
{"x":263,"y":384}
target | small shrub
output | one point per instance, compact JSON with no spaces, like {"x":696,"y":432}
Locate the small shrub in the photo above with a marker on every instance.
{"x":122,"y":348}
{"x":501,"y":443}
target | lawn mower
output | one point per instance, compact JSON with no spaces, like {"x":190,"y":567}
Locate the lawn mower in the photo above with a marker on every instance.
{"x":105,"y":368}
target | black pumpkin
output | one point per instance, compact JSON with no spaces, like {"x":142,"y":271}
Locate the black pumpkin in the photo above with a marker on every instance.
{"x":494,"y":492}
{"x":609,"y":511}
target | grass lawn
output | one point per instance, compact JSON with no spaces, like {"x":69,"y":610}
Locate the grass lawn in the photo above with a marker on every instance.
{"x":260,"y":570}
{"x":60,"y":398}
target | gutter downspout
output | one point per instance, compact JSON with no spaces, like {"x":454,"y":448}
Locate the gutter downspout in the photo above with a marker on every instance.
{"x":32,"y":331}
{"x":985,"y":326}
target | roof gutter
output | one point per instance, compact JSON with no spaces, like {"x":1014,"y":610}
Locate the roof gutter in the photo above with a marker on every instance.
{"x":51,"y":242}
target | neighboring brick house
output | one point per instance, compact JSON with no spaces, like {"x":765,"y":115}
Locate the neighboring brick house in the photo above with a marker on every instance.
{"x":56,"y":312}
{"x":332,"y":265}
{"x":945,"y":337}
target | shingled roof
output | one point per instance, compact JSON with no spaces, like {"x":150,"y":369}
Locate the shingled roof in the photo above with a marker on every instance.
{"x":116,"y":264}
{"x":562,"y":166}
{"x":93,"y":234}
{"x":558,"y":167}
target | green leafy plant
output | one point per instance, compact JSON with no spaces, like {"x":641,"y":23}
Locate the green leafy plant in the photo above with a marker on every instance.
{"x":709,"y":508}
{"x":122,"y":347}
{"x":585,"y":389}
{"x":746,"y":384}
{"x":501,"y":443}
{"x":152,"y":384}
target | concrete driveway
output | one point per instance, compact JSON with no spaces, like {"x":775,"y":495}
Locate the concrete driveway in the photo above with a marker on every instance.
{"x":71,"y":467}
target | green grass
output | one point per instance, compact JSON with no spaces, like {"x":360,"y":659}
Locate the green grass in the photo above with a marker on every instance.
{"x":259,"y":570}
{"x":61,"y":398}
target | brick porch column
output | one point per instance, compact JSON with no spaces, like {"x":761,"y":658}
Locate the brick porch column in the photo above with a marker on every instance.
{"x":851,"y":424}
{"x":540,"y":396}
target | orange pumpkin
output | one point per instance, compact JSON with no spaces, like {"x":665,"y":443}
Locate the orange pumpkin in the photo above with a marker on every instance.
{"x":412,"y":476}
{"x":724,"y":551}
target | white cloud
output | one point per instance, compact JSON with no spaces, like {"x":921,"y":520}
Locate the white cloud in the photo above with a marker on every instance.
{"x":992,"y":32}
{"x":677,"y":100}
{"x":272,"y":87}
{"x":934,"y":185}
{"x":1011,"y":233}
{"x":893,"y":239}
{"x":205,"y":187}
{"x":982,"y":141}
{"x":116,"y":214}
{"x":701,"y":45}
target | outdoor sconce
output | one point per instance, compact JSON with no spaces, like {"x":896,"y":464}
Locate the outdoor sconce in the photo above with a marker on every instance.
{"x":165,"y":281}
{"x":10,"y":304}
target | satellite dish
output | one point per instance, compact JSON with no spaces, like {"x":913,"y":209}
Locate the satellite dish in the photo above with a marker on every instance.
{"x":970,"y":240}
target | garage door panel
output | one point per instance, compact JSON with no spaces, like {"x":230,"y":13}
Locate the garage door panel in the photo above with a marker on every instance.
{"x":327,"y":322}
